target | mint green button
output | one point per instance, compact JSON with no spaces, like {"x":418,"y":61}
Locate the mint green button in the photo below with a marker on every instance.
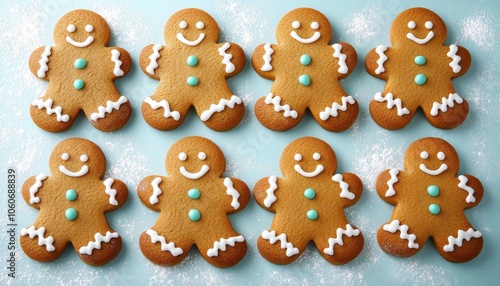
{"x":78,"y":84}
{"x":80,"y":63}
{"x":304,"y":80}
{"x":433,"y":190}
{"x":434,"y":209}
{"x":192,"y":60}
{"x":420,"y":79}
{"x":309,"y":193}
{"x":71,"y":214}
{"x":192,"y":81}
{"x":305,"y":59}
{"x":420,"y":60}
{"x":194,"y":215}
{"x":71,"y":195}
{"x":194,"y":194}
{"x":312,"y":214}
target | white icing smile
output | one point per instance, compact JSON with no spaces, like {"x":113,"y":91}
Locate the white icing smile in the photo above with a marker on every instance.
{"x":84,"y":170}
{"x":183,"y":25}
{"x":83,"y":44}
{"x":312,"y":39}
{"x":428,"y":25}
{"x":441,"y":156}
{"x":193,"y":176}
{"x":317,"y":171}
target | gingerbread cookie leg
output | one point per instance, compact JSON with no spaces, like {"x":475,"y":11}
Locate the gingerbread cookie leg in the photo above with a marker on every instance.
{"x":459,"y":243}
{"x":223,"y":250}
{"x":39,"y":244}
{"x":280,"y":247}
{"x":162,"y":248}
{"x":337,"y":115}
{"x":450,"y":112}
{"x":54,"y":115}
{"x":341,"y":244}
{"x":277,"y":114}
{"x":390,"y":112}
{"x":111,"y":114}
{"x":400,"y":239}
{"x":98,"y":247}
{"x":224,"y":114}
{"x":164,"y":111}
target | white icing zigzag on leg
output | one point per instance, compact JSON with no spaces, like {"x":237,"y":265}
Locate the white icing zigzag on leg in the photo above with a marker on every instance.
{"x":462,"y":235}
{"x":153,"y":199}
{"x":110,"y":191}
{"x":222,"y":243}
{"x":391,"y":102}
{"x":349,"y":232}
{"x":390,"y":184}
{"x":333,"y":111}
{"x":36,"y":186}
{"x":47,"y":104}
{"x":155,"y":237}
{"x":445,"y":103}
{"x":395,"y":226}
{"x":271,"y":236}
{"x":463,"y":185}
{"x":163,"y":103}
{"x":110,"y":105}
{"x":99,"y":239}
{"x":276,"y":101}
{"x":205,"y":115}
{"x":32,"y":232}
{"x":270,"y":197}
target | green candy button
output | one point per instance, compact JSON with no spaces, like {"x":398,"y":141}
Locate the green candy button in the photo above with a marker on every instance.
{"x":80,"y":63}
{"x":420,"y":79}
{"x":192,"y":61}
{"x":71,"y":214}
{"x":192,"y":81}
{"x":304,"y":80}
{"x":194,"y":215}
{"x":309,"y":193}
{"x":71,"y":195}
{"x":78,"y":84}
{"x":312,"y":214}
{"x":194,"y":194}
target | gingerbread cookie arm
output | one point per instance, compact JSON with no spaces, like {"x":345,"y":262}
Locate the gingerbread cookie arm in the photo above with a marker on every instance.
{"x":149,"y":192}
{"x":472,"y":190}
{"x":120,"y":62}
{"x":386,"y":185}
{"x":238,"y":194}
{"x":350,"y":187}
{"x":232,"y":58}
{"x":117,"y":192}
{"x":262,"y":61}
{"x":264,"y":192}
{"x":460,"y":60}
{"x":31,"y":188}
{"x":346,"y":58}
{"x":39,"y":62}
{"x":149,"y":60}
{"x":375,"y":62}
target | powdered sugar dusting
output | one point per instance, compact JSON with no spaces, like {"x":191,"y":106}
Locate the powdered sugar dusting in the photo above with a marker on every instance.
{"x":479,"y":29}
{"x":363,"y":26}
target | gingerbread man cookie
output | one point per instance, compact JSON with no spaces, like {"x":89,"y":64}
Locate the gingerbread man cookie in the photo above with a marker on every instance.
{"x":306,"y":70}
{"x":430,"y":201}
{"x":81,"y":69}
{"x":72,"y":202}
{"x":418,"y":69}
{"x":309,"y":203}
{"x":192,"y":69}
{"x":194,"y":202}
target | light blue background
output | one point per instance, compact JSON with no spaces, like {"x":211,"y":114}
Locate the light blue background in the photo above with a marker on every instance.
{"x":252,"y":151}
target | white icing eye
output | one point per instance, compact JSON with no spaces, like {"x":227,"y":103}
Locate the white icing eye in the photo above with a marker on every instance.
{"x":314,"y":25}
{"x":89,"y":28}
{"x":424,"y":155}
{"x":295,"y":24}
{"x":182,"y":156}
{"x":202,"y":156}
{"x":84,"y":158}
{"x":183,"y":25}
{"x":316,"y":156}
{"x":297,"y":157}
{"x":441,"y":156}
{"x":411,"y":25}
{"x":429,"y":25}
{"x":200,"y":25}
{"x":65,"y":156}
{"x":71,"y":28}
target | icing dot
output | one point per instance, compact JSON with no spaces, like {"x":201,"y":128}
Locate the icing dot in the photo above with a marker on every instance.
{"x":182,"y":156}
{"x":192,"y":81}
{"x":78,"y":84}
{"x":71,"y":195}
{"x":304,"y":80}
{"x":424,"y":155}
{"x":65,"y":156}
{"x":194,"y":215}
{"x":192,"y":60}
{"x":314,"y":25}
{"x":194,"y":194}
{"x":84,"y":158}
{"x":420,"y":60}
{"x":297,"y":157}
{"x":89,"y":28}
{"x":316,"y":156}
{"x":71,"y":28}
{"x":412,"y":25}
{"x":80,"y":63}
{"x":310,"y":193}
{"x":183,"y":24}
{"x":200,"y":25}
{"x":202,"y":156}
{"x":312,"y":214}
{"x":295,"y":24}
{"x":441,"y":156}
{"x":429,"y":25}
{"x":434,"y":209}
{"x":71,"y":214}
{"x":305,"y":60}
{"x":433,"y":190}
{"x":420,"y":79}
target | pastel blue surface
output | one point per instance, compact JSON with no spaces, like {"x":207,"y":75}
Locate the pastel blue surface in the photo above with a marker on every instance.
{"x":251,"y":150}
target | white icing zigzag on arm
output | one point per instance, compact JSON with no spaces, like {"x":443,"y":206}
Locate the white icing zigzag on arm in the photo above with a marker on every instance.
{"x":349,"y":232}
{"x":455,"y":59}
{"x":43,"y":62}
{"x":271,"y":198}
{"x":380,"y":50}
{"x":110,"y":105}
{"x":271,"y":236}
{"x":445,"y":103}
{"x":390,"y":184}
{"x":391,"y":102}
{"x":153,"y":199}
{"x":343,"y":69}
{"x":333,"y":111}
{"x":222,"y":243}
{"x":36,"y":186}
{"x":155,"y":237}
{"x":462,"y":235}
{"x":205,"y":115}
{"x":47,"y":104}
{"x":226,"y":58}
{"x":42,"y":240}
{"x":153,"y":58}
{"x":395,"y":226}
{"x":163,"y":103}
{"x":99,"y":239}
{"x":276,"y":101}
{"x":463,"y":185}
{"x":267,"y":58}
{"x":115,"y":57}
{"x":110,"y":191}
{"x":345,"y":193}
{"x":231,"y":191}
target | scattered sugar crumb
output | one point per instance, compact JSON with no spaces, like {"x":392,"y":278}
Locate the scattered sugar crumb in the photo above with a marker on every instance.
{"x":480,"y":30}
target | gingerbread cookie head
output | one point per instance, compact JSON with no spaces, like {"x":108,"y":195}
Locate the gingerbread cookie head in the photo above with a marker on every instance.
{"x":191,"y":27}
{"x":432,"y":156}
{"x":81,"y":29}
{"x":418,"y":26}
{"x":304,"y":26}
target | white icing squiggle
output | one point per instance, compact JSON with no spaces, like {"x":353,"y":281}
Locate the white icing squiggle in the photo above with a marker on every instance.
{"x":462,"y":235}
{"x":153,"y":199}
{"x":391,"y":102}
{"x":380,"y":50}
{"x":42,"y":240}
{"x":333,"y":111}
{"x":231,"y":191}
{"x":99,"y":239}
{"x":267,"y":58}
{"x":163,"y":103}
{"x":153,"y":59}
{"x":395,"y":226}
{"x":419,"y":41}
{"x":463,"y":185}
{"x":271,"y":236}
{"x":276,"y":101}
{"x":455,"y":59}
{"x":222,"y":243}
{"x":343,"y":69}
{"x":110,"y":105}
{"x":47,"y":104}
{"x":43,"y":62}
{"x":115,"y":57}
{"x":226,"y":58}
{"x":205,"y":115}
{"x":445,"y":103}
{"x":271,"y":198}
{"x":349,"y":231}
{"x":193,"y":176}
{"x":111,"y":192}
{"x":36,"y":186}
{"x":390,"y":184}
{"x":345,"y":193}
{"x":155,"y":237}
